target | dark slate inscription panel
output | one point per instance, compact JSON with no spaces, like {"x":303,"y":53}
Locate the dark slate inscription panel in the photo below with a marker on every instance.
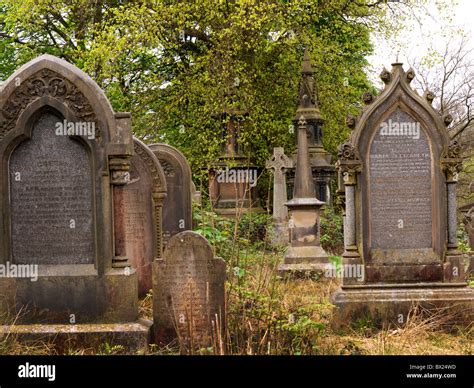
{"x":400,"y":185}
{"x":51,"y":199}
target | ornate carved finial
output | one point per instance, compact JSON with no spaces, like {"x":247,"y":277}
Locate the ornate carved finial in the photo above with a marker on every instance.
{"x":429,"y":96}
{"x":454,"y":150}
{"x":448,"y":119}
{"x":308,"y":96}
{"x":410,"y":74}
{"x":385,"y":76}
{"x":351,"y":121}
{"x":346,"y":151}
{"x":302,"y":121}
{"x":307,"y":68}
{"x":368,"y":98}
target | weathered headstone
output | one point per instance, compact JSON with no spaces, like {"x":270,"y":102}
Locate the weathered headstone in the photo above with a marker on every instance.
{"x":279,"y":163}
{"x":399,"y":171}
{"x":143,"y":198}
{"x":188,"y":293}
{"x":177,"y":207}
{"x":233,"y":179}
{"x":67,"y":157}
{"x":468,"y":219}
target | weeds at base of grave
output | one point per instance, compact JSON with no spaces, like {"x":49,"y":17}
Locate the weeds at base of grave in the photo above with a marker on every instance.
{"x":268,"y":315}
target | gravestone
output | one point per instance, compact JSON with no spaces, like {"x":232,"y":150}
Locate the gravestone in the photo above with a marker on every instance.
{"x":177,"y":207}
{"x":233,"y":179}
{"x":305,"y":254}
{"x":399,"y":171}
{"x":66,"y":157}
{"x":279,"y":163}
{"x":468,"y":220}
{"x":143,"y":197}
{"x":322,"y":170}
{"x":188,"y":293}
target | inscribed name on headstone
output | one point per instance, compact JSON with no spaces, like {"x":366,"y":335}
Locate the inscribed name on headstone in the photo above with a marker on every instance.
{"x":400,"y":185}
{"x":51,"y":198}
{"x":188,"y":292}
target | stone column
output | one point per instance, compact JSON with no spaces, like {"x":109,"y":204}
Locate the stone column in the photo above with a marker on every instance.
{"x":350,"y":241}
{"x":157,"y":204}
{"x":119,"y":168}
{"x":452,"y":165}
{"x":452,"y":219}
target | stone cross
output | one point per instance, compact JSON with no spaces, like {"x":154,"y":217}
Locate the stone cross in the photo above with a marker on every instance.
{"x":279,"y":162}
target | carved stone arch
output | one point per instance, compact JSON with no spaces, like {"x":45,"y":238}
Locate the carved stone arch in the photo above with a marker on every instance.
{"x":399,"y":92}
{"x":55,"y":79}
{"x":177,"y":208}
{"x":158,"y":191}
{"x":159,"y":179}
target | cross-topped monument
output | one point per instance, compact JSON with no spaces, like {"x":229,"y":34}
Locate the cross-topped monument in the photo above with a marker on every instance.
{"x":279,"y":163}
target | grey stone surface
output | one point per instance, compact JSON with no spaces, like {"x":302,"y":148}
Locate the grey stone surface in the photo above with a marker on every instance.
{"x":177,"y":207}
{"x":279,"y":163}
{"x":400,"y":189}
{"x":399,"y":170}
{"x":304,"y":208}
{"x":51,"y":198}
{"x":61,"y":200}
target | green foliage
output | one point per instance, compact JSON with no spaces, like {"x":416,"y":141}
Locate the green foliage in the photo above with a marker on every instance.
{"x":107,"y":349}
{"x":177,"y":66}
{"x":332,"y":237}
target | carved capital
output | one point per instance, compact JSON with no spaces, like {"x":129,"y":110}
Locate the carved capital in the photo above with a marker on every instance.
{"x":120,"y":170}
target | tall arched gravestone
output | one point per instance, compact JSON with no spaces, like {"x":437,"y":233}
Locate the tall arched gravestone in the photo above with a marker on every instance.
{"x":65,"y":158}
{"x":177,"y":207}
{"x":189,"y":293}
{"x":143,"y":197}
{"x":399,"y":171}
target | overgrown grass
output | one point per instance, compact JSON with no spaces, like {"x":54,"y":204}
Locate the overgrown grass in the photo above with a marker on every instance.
{"x":270,"y":315}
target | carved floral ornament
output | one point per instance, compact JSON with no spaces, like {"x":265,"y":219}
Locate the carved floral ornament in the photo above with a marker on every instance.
{"x":452,"y":162}
{"x":158,"y":186}
{"x":346,"y":151}
{"x":46,"y":83}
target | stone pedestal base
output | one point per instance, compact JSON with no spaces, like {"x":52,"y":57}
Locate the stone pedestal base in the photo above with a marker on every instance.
{"x":308,"y":259}
{"x":391,"y":304}
{"x":133,"y":337}
{"x":233,"y":211}
{"x":280,"y":234}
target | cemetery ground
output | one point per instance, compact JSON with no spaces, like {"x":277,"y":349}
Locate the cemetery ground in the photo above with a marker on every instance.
{"x":271,"y":315}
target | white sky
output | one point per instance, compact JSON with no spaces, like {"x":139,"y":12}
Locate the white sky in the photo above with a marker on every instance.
{"x":414,"y":40}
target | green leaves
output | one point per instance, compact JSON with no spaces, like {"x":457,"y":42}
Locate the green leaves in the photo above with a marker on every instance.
{"x":178,"y":65}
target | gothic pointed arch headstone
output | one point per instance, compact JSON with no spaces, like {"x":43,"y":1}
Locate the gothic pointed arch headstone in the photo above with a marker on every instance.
{"x":399,"y":171}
